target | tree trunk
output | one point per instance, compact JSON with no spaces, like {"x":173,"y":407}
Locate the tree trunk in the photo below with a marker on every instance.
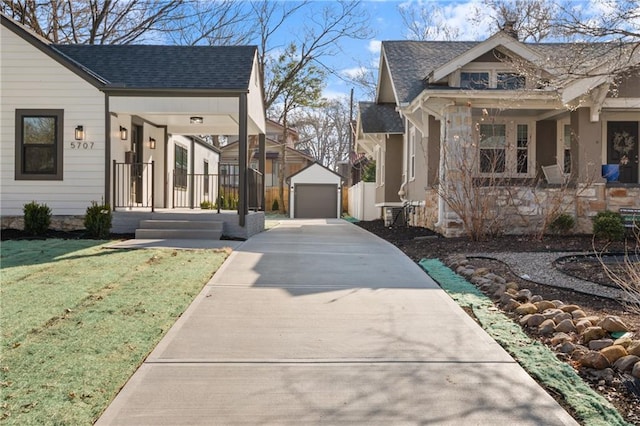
{"x":282,"y":165}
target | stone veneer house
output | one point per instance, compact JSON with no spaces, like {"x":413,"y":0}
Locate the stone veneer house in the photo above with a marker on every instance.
{"x":458,"y":126}
{"x":121,"y":123}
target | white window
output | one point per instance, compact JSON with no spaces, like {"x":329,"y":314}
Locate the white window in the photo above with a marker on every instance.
{"x":480,"y":76}
{"x":564,"y":146}
{"x":504,"y":148}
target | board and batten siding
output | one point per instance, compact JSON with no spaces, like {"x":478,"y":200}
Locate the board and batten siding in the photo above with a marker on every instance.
{"x":29,"y":79}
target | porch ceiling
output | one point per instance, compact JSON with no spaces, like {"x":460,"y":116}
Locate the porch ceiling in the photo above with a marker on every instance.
{"x":220,"y":116}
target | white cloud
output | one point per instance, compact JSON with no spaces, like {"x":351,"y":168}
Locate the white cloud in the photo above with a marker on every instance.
{"x":374,"y":46}
{"x":353,"y":72}
{"x":334,"y":94}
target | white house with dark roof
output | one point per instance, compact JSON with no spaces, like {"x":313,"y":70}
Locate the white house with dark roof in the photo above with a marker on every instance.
{"x":448,"y":115}
{"x":123,"y":124}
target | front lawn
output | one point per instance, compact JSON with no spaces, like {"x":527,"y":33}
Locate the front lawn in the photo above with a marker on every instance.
{"x":77,"y":320}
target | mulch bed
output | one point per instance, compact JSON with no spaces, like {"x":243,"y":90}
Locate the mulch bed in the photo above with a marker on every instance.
{"x":419,"y":243}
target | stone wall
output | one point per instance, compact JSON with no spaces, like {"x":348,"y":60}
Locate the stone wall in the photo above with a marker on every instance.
{"x":523,"y":209}
{"x":58,"y":223}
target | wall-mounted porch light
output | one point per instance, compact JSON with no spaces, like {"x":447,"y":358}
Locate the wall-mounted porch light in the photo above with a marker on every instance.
{"x":196,"y":120}
{"x":123,"y":133}
{"x":79,"y":133}
{"x":152,"y":143}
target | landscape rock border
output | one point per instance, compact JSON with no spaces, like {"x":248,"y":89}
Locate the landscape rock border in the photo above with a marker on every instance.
{"x":538,"y":359}
{"x":587,"y":341}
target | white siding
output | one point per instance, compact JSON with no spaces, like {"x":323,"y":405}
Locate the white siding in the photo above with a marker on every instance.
{"x":30,"y":79}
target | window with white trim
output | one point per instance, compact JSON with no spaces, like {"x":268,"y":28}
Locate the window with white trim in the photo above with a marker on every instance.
{"x":564,"y":146}
{"x":505,"y":148}
{"x":480,"y":76}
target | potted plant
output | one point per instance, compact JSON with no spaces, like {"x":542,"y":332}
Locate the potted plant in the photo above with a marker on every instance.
{"x":623,"y":143}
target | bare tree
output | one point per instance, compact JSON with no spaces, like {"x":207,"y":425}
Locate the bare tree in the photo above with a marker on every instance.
{"x":530,"y":20}
{"x":223,"y":22}
{"x":324,"y":132}
{"x":318,"y":38}
{"x":426,"y":21}
{"x":93,"y":21}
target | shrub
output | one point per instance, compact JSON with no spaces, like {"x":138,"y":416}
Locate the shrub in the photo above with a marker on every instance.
{"x":562,"y":224}
{"x":275,"y":206}
{"x":37,"y":218}
{"x":97,"y":221}
{"x":207,"y":205}
{"x":608,"y":225}
{"x":369,"y":173}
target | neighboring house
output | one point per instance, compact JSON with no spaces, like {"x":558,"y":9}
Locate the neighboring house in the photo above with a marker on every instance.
{"x":491,"y":114}
{"x":295,"y":160}
{"x":119,"y":123}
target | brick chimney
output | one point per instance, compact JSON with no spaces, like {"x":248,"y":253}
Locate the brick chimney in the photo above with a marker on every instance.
{"x":509,"y":29}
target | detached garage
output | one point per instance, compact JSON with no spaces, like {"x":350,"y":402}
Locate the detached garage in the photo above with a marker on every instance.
{"x":315,"y":193}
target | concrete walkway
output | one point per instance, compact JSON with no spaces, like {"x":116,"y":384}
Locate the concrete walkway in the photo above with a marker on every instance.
{"x":319,"y":321}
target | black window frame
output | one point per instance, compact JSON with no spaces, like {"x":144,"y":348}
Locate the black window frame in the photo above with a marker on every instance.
{"x":58,"y":149}
{"x":180,"y":173}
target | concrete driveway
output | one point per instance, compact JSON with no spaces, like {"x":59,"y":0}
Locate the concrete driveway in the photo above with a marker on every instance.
{"x":320,"y":322}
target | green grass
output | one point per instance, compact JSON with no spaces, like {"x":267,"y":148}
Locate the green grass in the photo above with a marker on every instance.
{"x":77,"y":320}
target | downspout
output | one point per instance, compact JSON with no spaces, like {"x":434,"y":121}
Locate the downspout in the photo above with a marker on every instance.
{"x":107,"y":151}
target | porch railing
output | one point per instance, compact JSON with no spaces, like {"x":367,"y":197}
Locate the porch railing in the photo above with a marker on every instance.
{"x":217,"y":191}
{"x":133,"y":185}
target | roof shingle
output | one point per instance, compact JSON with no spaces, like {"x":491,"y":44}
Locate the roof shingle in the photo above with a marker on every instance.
{"x":380,"y":118}
{"x":166,"y":67}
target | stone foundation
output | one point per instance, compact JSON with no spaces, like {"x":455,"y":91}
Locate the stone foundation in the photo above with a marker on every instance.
{"x":521,"y":210}
{"x":58,"y":223}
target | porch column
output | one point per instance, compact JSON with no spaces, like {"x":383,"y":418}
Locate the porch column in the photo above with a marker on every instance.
{"x":586,"y":147}
{"x":455,"y":153}
{"x":261,"y":166}
{"x":242,"y":159}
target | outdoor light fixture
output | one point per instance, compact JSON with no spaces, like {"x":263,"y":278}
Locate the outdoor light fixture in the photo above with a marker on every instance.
{"x":152,"y":143}
{"x":123,"y":133}
{"x":79,"y":133}
{"x":197,"y":120}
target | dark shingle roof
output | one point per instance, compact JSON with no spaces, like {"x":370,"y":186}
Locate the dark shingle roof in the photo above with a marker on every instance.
{"x":166,"y":67}
{"x":380,"y":118}
{"x":411,"y":61}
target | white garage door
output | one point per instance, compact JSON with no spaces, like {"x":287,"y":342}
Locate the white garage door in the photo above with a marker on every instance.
{"x":316,"y":201}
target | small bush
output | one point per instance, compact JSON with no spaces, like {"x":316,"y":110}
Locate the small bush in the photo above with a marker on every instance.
{"x":608,"y":225}
{"x":275,"y":206}
{"x":37,"y":218}
{"x":207,"y":205}
{"x":369,"y":173}
{"x":97,"y":221}
{"x":562,"y":224}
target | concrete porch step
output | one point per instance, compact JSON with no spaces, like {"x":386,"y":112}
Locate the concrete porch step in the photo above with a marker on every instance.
{"x":178,"y":234}
{"x":180,"y":224}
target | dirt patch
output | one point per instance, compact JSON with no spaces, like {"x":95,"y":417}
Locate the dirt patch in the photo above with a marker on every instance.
{"x":418,"y":243}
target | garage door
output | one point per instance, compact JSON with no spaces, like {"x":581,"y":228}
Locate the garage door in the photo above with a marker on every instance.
{"x":315,"y":201}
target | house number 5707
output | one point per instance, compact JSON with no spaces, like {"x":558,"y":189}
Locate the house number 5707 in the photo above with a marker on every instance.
{"x":82,"y":145}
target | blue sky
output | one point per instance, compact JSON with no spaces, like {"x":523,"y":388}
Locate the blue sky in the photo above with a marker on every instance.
{"x":387,"y":24}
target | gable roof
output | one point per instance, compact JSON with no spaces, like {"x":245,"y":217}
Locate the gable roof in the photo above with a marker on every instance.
{"x":167,"y":67}
{"x":380,"y":118}
{"x":271,"y":143}
{"x":410,"y":62}
{"x":314,"y":164}
{"x":148,"y":67}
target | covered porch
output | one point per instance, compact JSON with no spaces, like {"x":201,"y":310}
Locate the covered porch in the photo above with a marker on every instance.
{"x":164,"y":160}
